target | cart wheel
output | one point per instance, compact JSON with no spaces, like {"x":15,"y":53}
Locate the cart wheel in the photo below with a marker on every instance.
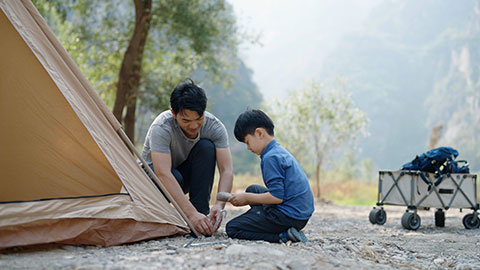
{"x":372,"y":215}
{"x":411,"y":221}
{"x":378,"y":216}
{"x":439,"y":218}
{"x":471,"y":221}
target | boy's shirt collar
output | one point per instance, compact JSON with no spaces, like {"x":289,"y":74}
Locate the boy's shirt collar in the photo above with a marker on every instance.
{"x":269,"y":146}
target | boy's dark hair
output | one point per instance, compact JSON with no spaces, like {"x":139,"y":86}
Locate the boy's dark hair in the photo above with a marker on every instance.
{"x":188,"y":96}
{"x":250,"y":120}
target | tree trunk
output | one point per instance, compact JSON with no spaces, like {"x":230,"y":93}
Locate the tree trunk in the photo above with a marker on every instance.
{"x":317,"y":178}
{"x":318,"y":165}
{"x":130,"y":119}
{"x":435,"y":136}
{"x":130,"y":71}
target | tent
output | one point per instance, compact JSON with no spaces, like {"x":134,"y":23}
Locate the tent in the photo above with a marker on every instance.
{"x":67,"y":172}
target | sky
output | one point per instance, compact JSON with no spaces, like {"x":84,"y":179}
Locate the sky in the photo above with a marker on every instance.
{"x":293,"y":38}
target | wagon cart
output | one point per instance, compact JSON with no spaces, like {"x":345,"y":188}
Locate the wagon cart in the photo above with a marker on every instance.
{"x":423,"y":190}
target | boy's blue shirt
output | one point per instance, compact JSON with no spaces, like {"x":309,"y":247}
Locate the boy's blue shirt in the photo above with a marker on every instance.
{"x":286,"y":180}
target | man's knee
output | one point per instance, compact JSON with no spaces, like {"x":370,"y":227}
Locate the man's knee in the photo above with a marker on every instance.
{"x":179,"y":177}
{"x":256,"y":189}
{"x":204,"y":146}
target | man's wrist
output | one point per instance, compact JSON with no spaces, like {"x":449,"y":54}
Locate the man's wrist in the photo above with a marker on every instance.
{"x":191,"y":212}
{"x":220,"y":204}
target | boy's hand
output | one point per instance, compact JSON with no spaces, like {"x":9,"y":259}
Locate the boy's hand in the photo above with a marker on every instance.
{"x":215,"y":214}
{"x":239,"y":199}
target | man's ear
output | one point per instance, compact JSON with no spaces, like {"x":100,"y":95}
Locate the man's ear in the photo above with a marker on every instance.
{"x":171,"y":110}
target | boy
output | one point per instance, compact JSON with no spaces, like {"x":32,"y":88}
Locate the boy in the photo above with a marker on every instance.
{"x":281,"y":209}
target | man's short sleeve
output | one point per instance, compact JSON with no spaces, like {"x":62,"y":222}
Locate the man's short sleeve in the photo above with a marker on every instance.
{"x":160,"y":139}
{"x":219,"y":134}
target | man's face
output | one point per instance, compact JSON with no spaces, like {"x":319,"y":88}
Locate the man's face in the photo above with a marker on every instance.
{"x":190,"y":122}
{"x":254,"y":143}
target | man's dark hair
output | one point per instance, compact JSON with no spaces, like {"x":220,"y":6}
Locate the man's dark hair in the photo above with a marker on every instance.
{"x":189,"y":96}
{"x":250,"y":120}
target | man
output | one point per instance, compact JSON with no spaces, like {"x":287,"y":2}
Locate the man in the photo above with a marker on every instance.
{"x":182,"y":146}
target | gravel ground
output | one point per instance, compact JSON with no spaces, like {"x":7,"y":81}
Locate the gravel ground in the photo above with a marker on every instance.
{"x":340,"y":237}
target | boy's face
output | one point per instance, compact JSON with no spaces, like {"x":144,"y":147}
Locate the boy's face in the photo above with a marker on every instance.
{"x":190,"y":122}
{"x":255,"y":143}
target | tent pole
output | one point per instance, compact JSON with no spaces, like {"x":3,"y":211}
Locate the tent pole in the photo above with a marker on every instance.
{"x":132,"y":148}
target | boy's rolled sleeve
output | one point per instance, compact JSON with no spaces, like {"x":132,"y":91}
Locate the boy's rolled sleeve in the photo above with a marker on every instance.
{"x":273,"y":177}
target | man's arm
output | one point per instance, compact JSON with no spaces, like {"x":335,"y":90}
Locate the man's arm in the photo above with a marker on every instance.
{"x":245,"y":198}
{"x":225,"y":168}
{"x":162,"y":165}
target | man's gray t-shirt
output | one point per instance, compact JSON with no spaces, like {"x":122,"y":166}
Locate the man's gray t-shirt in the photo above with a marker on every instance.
{"x":166,"y":136}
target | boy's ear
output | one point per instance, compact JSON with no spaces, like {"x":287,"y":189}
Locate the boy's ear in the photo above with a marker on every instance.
{"x":172,"y":112}
{"x":260,"y":132}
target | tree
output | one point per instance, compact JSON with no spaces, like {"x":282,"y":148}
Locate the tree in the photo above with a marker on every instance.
{"x":228,"y":104}
{"x":315,"y":122}
{"x":130,"y":72}
{"x":140,"y":56}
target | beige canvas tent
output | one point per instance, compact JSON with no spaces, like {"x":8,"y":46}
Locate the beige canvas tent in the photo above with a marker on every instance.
{"x":66,"y":173}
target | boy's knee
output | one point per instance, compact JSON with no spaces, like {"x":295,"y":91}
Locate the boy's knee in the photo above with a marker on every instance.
{"x":256,"y":189}
{"x":232,"y":228}
{"x":229,"y":229}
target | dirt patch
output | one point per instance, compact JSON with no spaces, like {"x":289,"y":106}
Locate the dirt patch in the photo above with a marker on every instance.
{"x":340,"y":237}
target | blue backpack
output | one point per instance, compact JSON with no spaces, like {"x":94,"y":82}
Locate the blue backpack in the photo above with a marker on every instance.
{"x":440,"y":161}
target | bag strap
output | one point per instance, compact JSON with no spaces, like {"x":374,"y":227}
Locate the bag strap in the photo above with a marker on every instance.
{"x":424,"y":179}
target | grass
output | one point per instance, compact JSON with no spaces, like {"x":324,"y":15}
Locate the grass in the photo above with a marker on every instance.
{"x":343,"y":192}
{"x":348,"y":192}
{"x":351,"y":192}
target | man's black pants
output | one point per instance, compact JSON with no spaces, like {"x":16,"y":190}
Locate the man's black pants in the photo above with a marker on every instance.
{"x":195,"y":175}
{"x":262,"y":221}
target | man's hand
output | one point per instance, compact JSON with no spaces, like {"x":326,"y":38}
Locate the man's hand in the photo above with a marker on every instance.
{"x":239,"y":199}
{"x":201,"y":223}
{"x":215,"y":213}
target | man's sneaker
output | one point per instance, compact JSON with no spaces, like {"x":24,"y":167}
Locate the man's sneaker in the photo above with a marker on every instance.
{"x":293,"y":235}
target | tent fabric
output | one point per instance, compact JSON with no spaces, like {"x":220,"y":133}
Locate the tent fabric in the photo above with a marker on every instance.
{"x":60,"y":154}
{"x":104,"y":232}
{"x":110,"y":206}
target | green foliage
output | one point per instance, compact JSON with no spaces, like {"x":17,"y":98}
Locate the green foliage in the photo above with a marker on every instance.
{"x":314,"y":123}
{"x":189,"y":37}
{"x":95,"y":34}
{"x":185,"y":36}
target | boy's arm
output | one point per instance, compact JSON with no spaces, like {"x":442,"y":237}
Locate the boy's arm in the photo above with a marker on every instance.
{"x":244,"y":198}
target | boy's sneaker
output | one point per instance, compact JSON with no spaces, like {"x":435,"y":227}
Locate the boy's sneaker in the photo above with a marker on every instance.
{"x":293,"y":235}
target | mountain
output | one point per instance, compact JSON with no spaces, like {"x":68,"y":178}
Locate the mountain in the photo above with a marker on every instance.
{"x":414,"y":67}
